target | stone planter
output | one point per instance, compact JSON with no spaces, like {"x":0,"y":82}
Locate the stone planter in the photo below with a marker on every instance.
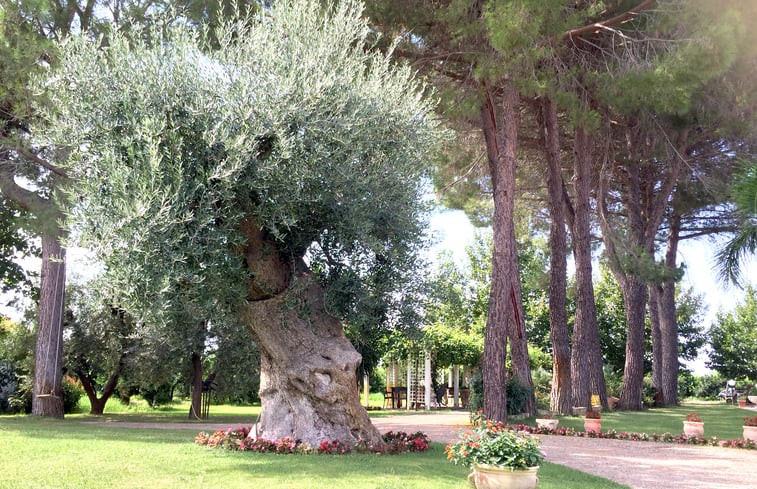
{"x":593,"y":424}
{"x":750,"y":433}
{"x":492,"y":477}
{"x":693,"y":428}
{"x":547,"y":423}
{"x":742,"y":403}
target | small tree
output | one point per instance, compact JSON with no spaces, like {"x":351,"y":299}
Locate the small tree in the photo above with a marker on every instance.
{"x":99,"y":338}
{"x":733,"y":340}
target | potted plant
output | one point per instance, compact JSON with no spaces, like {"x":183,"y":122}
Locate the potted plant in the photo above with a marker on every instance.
{"x":499,"y":458}
{"x":547,"y":421}
{"x":593,"y":421}
{"x":750,"y":428}
{"x":693,"y":425}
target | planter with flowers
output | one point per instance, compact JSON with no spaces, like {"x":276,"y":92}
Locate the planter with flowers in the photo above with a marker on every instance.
{"x":498,"y":457}
{"x":693,"y":426}
{"x":593,"y":421}
{"x":750,"y":428}
{"x":547,"y":421}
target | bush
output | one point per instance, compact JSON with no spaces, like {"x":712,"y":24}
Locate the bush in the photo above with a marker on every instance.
{"x":542,"y":387}
{"x":614,"y":381}
{"x":72,"y":393}
{"x":8,"y":386}
{"x":517,"y":394}
{"x":687,"y":384}
{"x":709,"y":386}
{"x":157,"y":396}
{"x":377,"y":379}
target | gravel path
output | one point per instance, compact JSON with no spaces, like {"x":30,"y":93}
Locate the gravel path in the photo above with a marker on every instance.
{"x":640,"y":465}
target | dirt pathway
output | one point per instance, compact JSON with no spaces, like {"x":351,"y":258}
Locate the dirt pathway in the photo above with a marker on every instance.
{"x":640,"y":465}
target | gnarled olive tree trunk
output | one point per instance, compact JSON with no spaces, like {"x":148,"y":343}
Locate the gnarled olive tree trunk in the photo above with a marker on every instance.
{"x":308,"y":383}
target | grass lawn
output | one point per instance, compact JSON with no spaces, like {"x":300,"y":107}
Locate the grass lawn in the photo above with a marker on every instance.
{"x":720,"y":420}
{"x":175,"y":412}
{"x":39,"y":453}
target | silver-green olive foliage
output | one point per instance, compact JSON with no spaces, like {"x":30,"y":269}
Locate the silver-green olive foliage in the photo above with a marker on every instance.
{"x":293,"y":123}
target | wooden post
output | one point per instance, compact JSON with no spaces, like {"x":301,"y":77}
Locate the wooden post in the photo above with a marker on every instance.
{"x":456,"y":385}
{"x":366,"y":390}
{"x":409,"y":379}
{"x":427,"y":380}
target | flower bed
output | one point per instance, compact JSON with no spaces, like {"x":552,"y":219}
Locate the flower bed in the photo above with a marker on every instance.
{"x":238,"y":439}
{"x":664,"y":437}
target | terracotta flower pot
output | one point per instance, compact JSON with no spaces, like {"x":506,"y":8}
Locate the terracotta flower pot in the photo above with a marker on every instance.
{"x":493,"y":477}
{"x":750,"y":433}
{"x":693,"y":428}
{"x":547,"y":423}
{"x":593,"y":424}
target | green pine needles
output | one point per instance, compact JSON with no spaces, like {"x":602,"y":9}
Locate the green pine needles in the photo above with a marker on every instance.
{"x":293,"y":123}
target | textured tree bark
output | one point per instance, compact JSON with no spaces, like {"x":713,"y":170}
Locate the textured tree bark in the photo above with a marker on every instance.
{"x":500,"y":305}
{"x":560,"y":399}
{"x":668,"y":320}
{"x":47,"y":399}
{"x":307,"y":369}
{"x":195,"y":405}
{"x":516,"y":326}
{"x":654,"y":322}
{"x":634,"y":299}
{"x":586,"y":361}
{"x":308,"y":382}
{"x":48,"y":396}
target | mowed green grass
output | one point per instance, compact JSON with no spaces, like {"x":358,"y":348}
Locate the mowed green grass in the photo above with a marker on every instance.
{"x":39,"y":453}
{"x":721,"y":420}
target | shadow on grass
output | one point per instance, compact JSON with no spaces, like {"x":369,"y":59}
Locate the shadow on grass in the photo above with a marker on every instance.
{"x":57,"y":429}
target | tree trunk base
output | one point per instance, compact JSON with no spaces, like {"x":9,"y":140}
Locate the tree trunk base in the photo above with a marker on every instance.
{"x":308,"y":383}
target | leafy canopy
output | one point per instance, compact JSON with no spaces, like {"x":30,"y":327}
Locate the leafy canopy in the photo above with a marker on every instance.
{"x":733,"y":340}
{"x":292,"y":124}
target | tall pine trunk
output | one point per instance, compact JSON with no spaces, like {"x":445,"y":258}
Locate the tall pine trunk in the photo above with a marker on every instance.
{"x":561,"y":395}
{"x":307,"y":366}
{"x":48,"y":395}
{"x":668,"y":320}
{"x":634,"y":300}
{"x":654,"y":323}
{"x":500,"y":305}
{"x":586,"y":361}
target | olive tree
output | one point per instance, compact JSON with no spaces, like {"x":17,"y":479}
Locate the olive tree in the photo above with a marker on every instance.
{"x":278,"y":179}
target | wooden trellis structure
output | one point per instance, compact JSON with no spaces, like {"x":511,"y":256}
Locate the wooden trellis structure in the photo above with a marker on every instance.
{"x":408,"y":382}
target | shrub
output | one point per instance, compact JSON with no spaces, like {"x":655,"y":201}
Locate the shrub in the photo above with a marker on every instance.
{"x":693,"y":417}
{"x":750,"y":421}
{"x":72,"y":392}
{"x":517,"y":394}
{"x":8,"y":386}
